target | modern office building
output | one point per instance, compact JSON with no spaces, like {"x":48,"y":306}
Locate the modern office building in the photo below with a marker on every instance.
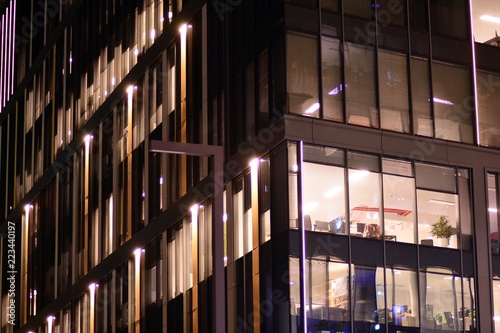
{"x":249,"y":166}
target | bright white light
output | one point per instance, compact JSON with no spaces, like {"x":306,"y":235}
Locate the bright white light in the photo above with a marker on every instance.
{"x":130,"y":90}
{"x":295,"y":168}
{"x":152,"y":34}
{"x":492,"y":210}
{"x":161,"y":180}
{"x":136,"y":52}
{"x":143,"y":194}
{"x":69,"y":132}
{"x":105,"y":93}
{"x":377,"y":327}
{"x":183,"y":29}
{"x":442,"y":101}
{"x":312,"y":108}
{"x":92,"y":287}
{"x":310,"y":206}
{"x":113,"y":81}
{"x":496,"y":318}
{"x":356,"y":175}
{"x":490,"y":18}
{"x":254,"y":164}
{"x":162,"y":19}
{"x":87,"y":139}
{"x":137,"y":252}
{"x":331,"y":192}
{"x":224,"y":217}
{"x":170,"y":15}
{"x":441,"y":202}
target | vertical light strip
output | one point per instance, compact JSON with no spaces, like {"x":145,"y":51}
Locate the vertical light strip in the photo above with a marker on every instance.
{"x":194,"y":258}
{"x":92,"y":307}
{"x":130,"y":95}
{"x":183,"y":129}
{"x":7,"y":51}
{"x":13,"y":44}
{"x":303,"y":241}
{"x":254,"y":192}
{"x":474,"y":69}
{"x":50,"y":323}
{"x":2,"y":61}
{"x":86,"y":218}
{"x":24,"y":263}
{"x":137,"y":290}
{"x":110,"y":239}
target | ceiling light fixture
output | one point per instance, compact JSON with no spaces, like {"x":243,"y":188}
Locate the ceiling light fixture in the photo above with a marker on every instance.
{"x":490,"y":18}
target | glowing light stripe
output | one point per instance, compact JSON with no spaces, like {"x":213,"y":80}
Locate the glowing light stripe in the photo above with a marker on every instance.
{"x":13,"y":43}
{"x":7,"y":51}
{"x":474,"y":75}
{"x":303,"y":249}
{"x":2,"y":61}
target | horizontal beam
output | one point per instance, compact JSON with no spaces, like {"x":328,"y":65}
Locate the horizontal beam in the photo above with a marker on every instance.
{"x":181,"y":148}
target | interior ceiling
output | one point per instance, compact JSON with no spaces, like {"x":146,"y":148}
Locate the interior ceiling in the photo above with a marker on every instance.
{"x":319,"y":179}
{"x":484,"y":30}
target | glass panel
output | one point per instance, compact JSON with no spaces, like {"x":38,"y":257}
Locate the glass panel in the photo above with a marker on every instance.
{"x":448,"y":17}
{"x":485,"y":19}
{"x":332,"y":79}
{"x":467,"y":317}
{"x":294,"y":289}
{"x":324,"y":155}
{"x":242,"y":216}
{"x":431,"y":206}
{"x":453,"y":102}
{"x":488,"y":100}
{"x":402,"y":297}
{"x":361,"y":106}
{"x":418,"y":15}
{"x":293,"y":197}
{"x":493,"y":213}
{"x":391,"y":12}
{"x":328,"y":295}
{"x":496,"y":304}
{"x":421,"y":96}
{"x":441,"y":301}
{"x":399,"y":209}
{"x":324,"y":198}
{"x":362,"y":8}
{"x":363,"y":161}
{"x":368,"y":296}
{"x":265,"y":199}
{"x":364,"y":204}
{"x":393,"y":89}
{"x":302,"y":75}
{"x":464,"y":197}
{"x":435,"y":177}
{"x":330,"y":5}
{"x":397,"y":167}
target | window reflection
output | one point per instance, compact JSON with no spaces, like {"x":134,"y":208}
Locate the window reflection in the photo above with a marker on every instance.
{"x":488,"y":99}
{"x":360,"y":87}
{"x":493,"y":212}
{"x":393,"y":91}
{"x":302,"y":75}
{"x":333,"y":87}
{"x":453,"y":102}
{"x":441,"y":302}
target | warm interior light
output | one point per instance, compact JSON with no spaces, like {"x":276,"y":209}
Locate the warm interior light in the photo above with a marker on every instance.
{"x":183,"y":29}
{"x":442,"y":202}
{"x":490,"y":18}
{"x":356,"y":175}
{"x":310,"y":206}
{"x":442,"y":101}
{"x":312,"y":108}
{"x":492,"y":210}
{"x":331,"y":192}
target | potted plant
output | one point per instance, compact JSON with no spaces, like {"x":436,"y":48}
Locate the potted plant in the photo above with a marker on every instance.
{"x":442,"y":231}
